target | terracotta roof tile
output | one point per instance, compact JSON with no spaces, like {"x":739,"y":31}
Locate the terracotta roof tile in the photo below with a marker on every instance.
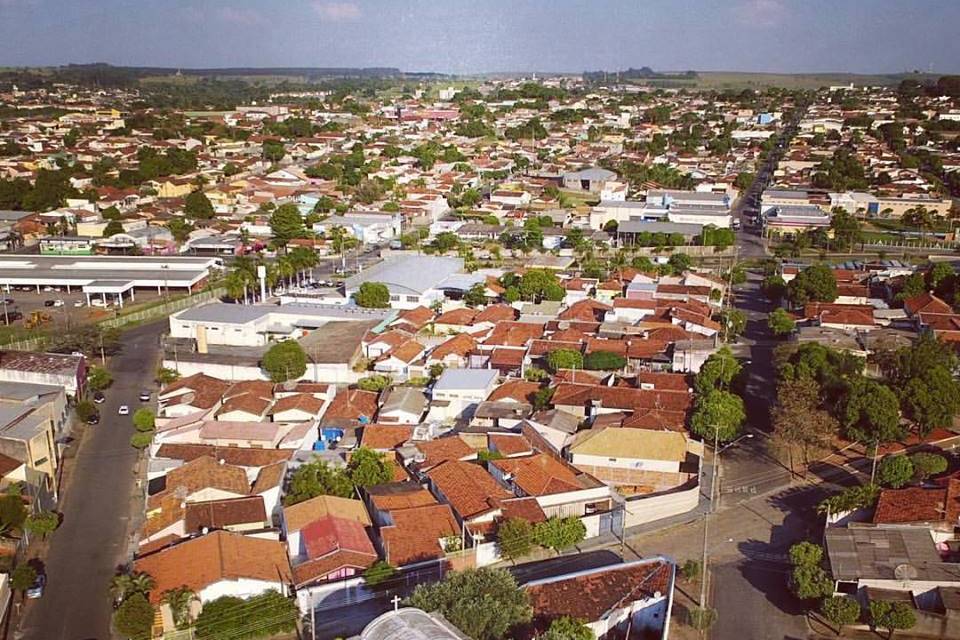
{"x":215,"y":557}
{"x":442,"y":450}
{"x":590,"y":595}
{"x":219,"y":514}
{"x":297,"y":516}
{"x":239,"y":456}
{"x":539,"y":474}
{"x":416,"y":533}
{"x":385,"y":437}
{"x":351,"y":405}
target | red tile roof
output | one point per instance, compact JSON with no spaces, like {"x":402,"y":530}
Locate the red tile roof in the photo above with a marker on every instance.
{"x":416,"y":534}
{"x":516,"y":390}
{"x":351,"y":405}
{"x":385,"y":437}
{"x":330,"y":533}
{"x":539,"y":474}
{"x":590,"y":595}
{"x":469,"y":489}
{"x":217,"y":556}
{"x":919,"y":504}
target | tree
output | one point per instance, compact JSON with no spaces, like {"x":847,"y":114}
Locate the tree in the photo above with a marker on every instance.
{"x":167,"y":376}
{"x":891,"y":616}
{"x":23,"y":577}
{"x":141,"y":439}
{"x":113,"y":228}
{"x":774,"y":288}
{"x":317,"y":478}
{"x":692,"y":570}
{"x":476,"y":295}
{"x":798,"y":420}
{"x":718,"y":372}
{"x":732,"y":323}
{"x":840,"y":610}
{"x":284,"y":361}
{"x":372,"y":295}
{"x":42,"y":524}
{"x":871,"y":413}
{"x":368,"y":468}
{"x":808,"y":580}
{"x":718,"y":415}
{"x":379,"y":573}
{"x":516,"y":538}
{"x":538,"y":284}
{"x":847,"y":230}
{"x":679,"y":262}
{"x":286,"y":223}
{"x":543,"y":397}
{"x":99,"y":378}
{"x":134,"y":617}
{"x":374,"y":383}
{"x":483,"y":603}
{"x":273,"y":150}
{"x":179,"y":600}
{"x":124,"y":585}
{"x":567,"y":628}
{"x":895,"y":471}
{"x":179,"y":228}
{"x":560,"y":533}
{"x":816,"y":283}
{"x":604,"y":361}
{"x":926,"y":465}
{"x":564,"y":359}
{"x":805,"y":553}
{"x":85,"y":410}
{"x":143,"y":420}
{"x":12,"y":512}
{"x":931,"y":399}
{"x":743,"y":180}
{"x":198,"y":206}
{"x":780,"y":322}
{"x":262,"y":616}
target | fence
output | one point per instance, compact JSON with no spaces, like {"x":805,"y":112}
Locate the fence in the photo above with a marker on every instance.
{"x":159,"y":311}
{"x":38,"y":343}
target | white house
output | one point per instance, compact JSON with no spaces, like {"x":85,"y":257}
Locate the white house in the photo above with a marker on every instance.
{"x":458,"y":391}
{"x":413,"y":281}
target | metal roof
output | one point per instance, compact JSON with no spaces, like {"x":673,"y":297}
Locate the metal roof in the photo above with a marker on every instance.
{"x":408,"y":275}
{"x":465,"y":379}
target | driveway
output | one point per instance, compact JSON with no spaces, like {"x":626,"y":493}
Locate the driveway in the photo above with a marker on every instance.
{"x":93,"y":539}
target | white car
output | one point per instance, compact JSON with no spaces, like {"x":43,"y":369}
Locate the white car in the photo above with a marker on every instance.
{"x":79,"y":303}
{"x":124,"y":410}
{"x":58,"y":303}
{"x":97,"y":302}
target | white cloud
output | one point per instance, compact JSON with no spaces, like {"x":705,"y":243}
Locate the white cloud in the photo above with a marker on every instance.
{"x":337,"y":11}
{"x":761,"y":13}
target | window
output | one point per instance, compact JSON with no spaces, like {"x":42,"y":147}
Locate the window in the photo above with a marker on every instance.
{"x":394,"y":298}
{"x":413,"y":299}
{"x":40,"y":462}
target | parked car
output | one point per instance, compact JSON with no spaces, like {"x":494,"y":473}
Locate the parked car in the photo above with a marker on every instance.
{"x":10,"y":315}
{"x":124,"y":410}
{"x":99,"y":398}
{"x":94,"y":418}
{"x":145,"y":395}
{"x":49,"y":303}
{"x":97,"y":302}
{"x":36,"y":589}
{"x":79,"y":303}
{"x":7,"y":301}
{"x":58,"y":303}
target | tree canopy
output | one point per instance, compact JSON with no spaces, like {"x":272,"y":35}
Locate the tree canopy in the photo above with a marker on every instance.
{"x":483,"y":603}
{"x":372,"y":295}
{"x":816,"y":283}
{"x":284,"y":361}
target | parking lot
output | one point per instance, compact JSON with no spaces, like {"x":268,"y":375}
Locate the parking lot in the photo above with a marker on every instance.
{"x":66,"y":310}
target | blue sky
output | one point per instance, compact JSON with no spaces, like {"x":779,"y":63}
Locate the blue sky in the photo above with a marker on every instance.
{"x":469,"y":36}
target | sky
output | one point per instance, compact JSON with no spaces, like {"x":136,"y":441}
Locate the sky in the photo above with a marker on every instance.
{"x":476,"y":36}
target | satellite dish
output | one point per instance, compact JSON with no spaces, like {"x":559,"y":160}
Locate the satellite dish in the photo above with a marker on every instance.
{"x":905,"y":572}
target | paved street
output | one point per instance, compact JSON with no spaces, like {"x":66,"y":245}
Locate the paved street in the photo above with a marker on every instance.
{"x":92,"y":540}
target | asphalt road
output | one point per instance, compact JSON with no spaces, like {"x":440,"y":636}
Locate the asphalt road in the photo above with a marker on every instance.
{"x":93,"y":539}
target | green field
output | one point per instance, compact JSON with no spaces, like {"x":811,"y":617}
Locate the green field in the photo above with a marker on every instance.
{"x":745,"y":80}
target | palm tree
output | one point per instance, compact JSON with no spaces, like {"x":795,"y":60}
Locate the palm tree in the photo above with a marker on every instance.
{"x":179,"y":601}
{"x":236,"y":284}
{"x":284,"y":269}
{"x":125,"y":585}
{"x":919,"y":217}
{"x":303,"y":259}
